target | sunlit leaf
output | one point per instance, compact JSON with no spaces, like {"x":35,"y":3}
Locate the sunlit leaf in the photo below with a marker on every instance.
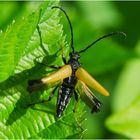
{"x":128,"y":87}
{"x":12,"y":44}
{"x":126,"y":102}
{"x":126,"y":122}
{"x":20,"y":52}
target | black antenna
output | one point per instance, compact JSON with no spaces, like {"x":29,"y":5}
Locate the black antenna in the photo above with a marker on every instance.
{"x":105,"y":36}
{"x":69,"y":24}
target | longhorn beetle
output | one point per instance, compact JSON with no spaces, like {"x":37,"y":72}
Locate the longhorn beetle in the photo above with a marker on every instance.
{"x":73,"y":78}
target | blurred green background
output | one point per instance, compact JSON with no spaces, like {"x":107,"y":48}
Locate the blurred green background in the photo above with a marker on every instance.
{"x":114,"y":62}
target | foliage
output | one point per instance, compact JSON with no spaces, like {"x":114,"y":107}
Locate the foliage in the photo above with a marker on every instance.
{"x":20,"y":54}
{"x":126,"y":101}
{"x":113,"y":62}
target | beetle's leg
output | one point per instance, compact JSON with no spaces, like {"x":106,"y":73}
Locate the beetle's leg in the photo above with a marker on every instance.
{"x":76,"y":98}
{"x":49,"y":99}
{"x":43,"y":64}
{"x":63,"y":56}
{"x":52,"y":94}
{"x":54,"y":67}
{"x":64,"y":59}
{"x":74,"y":110}
{"x":76,"y":95}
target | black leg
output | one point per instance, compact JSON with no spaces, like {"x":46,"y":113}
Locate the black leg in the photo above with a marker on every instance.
{"x":63,"y":56}
{"x":53,"y":67}
{"x":74,"y":110}
{"x":52,"y":94}
{"x":44,"y":101}
{"x":64,"y":59}
{"x":76,"y":95}
{"x":76,"y":98}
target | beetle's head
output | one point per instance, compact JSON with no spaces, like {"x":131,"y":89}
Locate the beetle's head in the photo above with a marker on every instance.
{"x":74,"y":55}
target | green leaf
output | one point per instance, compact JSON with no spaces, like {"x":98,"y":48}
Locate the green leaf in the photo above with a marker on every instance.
{"x":128,"y":87}
{"x":12,"y":44}
{"x":126,"y":102}
{"x":126,"y":122}
{"x":63,"y":128}
{"x":19,"y":52}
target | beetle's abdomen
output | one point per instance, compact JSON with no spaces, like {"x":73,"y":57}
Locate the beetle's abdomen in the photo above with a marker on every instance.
{"x":63,"y":99}
{"x":65,"y":92}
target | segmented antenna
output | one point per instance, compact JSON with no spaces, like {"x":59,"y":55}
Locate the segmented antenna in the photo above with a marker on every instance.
{"x":69,"y":24}
{"x":105,"y":36}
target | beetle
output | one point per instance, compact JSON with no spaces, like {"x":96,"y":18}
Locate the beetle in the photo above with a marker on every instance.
{"x":72,"y":79}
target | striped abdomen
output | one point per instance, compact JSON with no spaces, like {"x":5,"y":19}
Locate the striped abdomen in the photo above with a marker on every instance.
{"x":65,"y":93}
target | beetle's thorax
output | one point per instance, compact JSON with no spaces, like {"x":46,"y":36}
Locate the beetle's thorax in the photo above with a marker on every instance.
{"x":74,"y":61}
